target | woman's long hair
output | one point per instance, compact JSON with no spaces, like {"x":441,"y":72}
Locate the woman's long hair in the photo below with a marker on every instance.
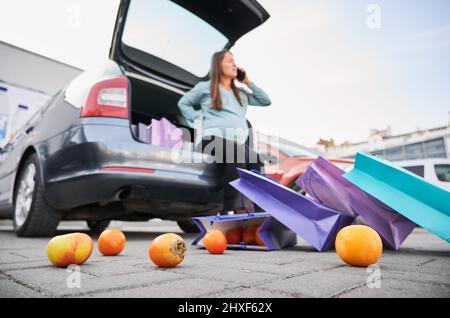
{"x":214,"y":74}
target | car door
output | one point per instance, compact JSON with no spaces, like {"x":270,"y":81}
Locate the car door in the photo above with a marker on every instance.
{"x":143,"y":40}
{"x":10,"y":157}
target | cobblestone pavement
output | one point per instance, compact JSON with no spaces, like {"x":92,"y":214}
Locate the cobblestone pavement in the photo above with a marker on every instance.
{"x":421,"y":268}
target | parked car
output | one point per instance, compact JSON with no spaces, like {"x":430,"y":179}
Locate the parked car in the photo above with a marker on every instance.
{"x":78,"y":159}
{"x":435,"y":171}
{"x":287,"y":162}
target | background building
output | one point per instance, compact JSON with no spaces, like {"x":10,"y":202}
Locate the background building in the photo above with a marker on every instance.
{"x":427,"y":143}
{"x":27,"y":81}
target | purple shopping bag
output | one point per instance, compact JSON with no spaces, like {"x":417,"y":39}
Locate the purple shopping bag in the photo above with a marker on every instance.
{"x":324,"y":182}
{"x":144,"y":133}
{"x":166,"y":134}
{"x":273,"y":234}
{"x":315,"y":223}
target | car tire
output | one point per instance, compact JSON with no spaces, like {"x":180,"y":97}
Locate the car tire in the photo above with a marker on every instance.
{"x":188,"y":226}
{"x":98,"y":226}
{"x":32,"y":215}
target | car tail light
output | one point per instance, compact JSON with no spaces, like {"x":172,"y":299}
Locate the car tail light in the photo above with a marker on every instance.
{"x":109,"y":98}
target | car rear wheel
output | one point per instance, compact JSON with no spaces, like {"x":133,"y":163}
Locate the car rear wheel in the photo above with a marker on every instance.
{"x":98,"y":226}
{"x":188,"y":226}
{"x":32,"y":215}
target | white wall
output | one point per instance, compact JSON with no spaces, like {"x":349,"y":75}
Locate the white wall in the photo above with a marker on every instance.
{"x":27,"y":79}
{"x":13,"y":116}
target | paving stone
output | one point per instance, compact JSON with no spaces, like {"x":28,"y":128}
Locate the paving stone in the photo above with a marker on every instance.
{"x":185,"y":288}
{"x":400,"y":289}
{"x":11,"y":289}
{"x":317,"y":284}
{"x":420,"y":268}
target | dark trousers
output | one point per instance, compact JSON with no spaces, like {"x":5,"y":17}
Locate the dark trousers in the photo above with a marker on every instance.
{"x":230,"y":155}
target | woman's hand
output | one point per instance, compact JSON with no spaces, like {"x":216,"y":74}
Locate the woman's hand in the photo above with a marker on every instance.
{"x":246,"y":80}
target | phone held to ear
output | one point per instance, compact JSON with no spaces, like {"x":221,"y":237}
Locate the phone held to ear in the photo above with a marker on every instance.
{"x":240,"y":75}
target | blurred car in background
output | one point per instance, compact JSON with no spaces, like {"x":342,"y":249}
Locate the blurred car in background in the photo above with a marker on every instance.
{"x":286,"y":161}
{"x":434,"y":170}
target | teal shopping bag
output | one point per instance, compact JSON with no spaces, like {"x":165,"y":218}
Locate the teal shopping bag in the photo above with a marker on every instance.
{"x":418,"y":200}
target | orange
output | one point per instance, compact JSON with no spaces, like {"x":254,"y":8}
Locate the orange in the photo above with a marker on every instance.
{"x":215,"y":242}
{"x":258,"y":239}
{"x":249,"y":235}
{"x":167,"y":250}
{"x":111,"y":242}
{"x":358,"y":245}
{"x":233,"y":236}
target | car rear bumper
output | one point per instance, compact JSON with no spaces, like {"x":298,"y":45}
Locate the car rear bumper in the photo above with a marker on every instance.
{"x":97,"y":160}
{"x":104,"y":187}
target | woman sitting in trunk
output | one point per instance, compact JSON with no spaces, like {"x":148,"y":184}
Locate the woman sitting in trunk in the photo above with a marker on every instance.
{"x":222,"y":120}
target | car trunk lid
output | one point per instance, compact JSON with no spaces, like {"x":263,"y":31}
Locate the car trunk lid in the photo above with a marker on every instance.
{"x":172,"y":41}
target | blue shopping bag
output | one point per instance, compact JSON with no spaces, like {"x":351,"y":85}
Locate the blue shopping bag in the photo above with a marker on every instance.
{"x":416,"y":199}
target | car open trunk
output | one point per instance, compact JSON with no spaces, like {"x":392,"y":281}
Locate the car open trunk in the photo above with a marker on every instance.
{"x":151,"y":101}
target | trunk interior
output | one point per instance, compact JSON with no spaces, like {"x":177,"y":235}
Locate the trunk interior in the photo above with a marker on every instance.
{"x":150,"y":101}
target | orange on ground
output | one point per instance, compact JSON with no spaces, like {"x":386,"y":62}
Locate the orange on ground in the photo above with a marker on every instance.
{"x":111,"y":242}
{"x":167,"y":250}
{"x":358,"y":245}
{"x":215,"y":242}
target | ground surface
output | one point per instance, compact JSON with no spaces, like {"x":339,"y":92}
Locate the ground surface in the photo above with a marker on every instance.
{"x":421,"y":268}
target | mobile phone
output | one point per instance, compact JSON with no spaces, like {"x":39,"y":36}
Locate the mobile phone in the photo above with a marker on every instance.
{"x":240,"y":75}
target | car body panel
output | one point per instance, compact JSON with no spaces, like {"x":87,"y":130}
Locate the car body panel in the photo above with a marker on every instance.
{"x":71,"y":149}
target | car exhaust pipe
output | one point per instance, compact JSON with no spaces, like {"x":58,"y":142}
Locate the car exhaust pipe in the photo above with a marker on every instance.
{"x":122,"y":194}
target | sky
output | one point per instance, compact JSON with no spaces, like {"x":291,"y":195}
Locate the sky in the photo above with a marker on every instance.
{"x":333,"y":68}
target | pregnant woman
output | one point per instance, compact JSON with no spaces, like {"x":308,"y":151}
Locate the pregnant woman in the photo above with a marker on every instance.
{"x":224,"y":127}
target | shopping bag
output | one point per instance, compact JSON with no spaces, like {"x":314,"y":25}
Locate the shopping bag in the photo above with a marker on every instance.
{"x":315,"y":223}
{"x":273,"y":234}
{"x":324,"y":182}
{"x":418,"y":200}
{"x":144,"y":133}
{"x":166,"y":134}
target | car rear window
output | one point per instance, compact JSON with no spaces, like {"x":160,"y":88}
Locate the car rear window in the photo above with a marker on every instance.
{"x":418,"y":170}
{"x":443,"y":172}
{"x":170,"y":32}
